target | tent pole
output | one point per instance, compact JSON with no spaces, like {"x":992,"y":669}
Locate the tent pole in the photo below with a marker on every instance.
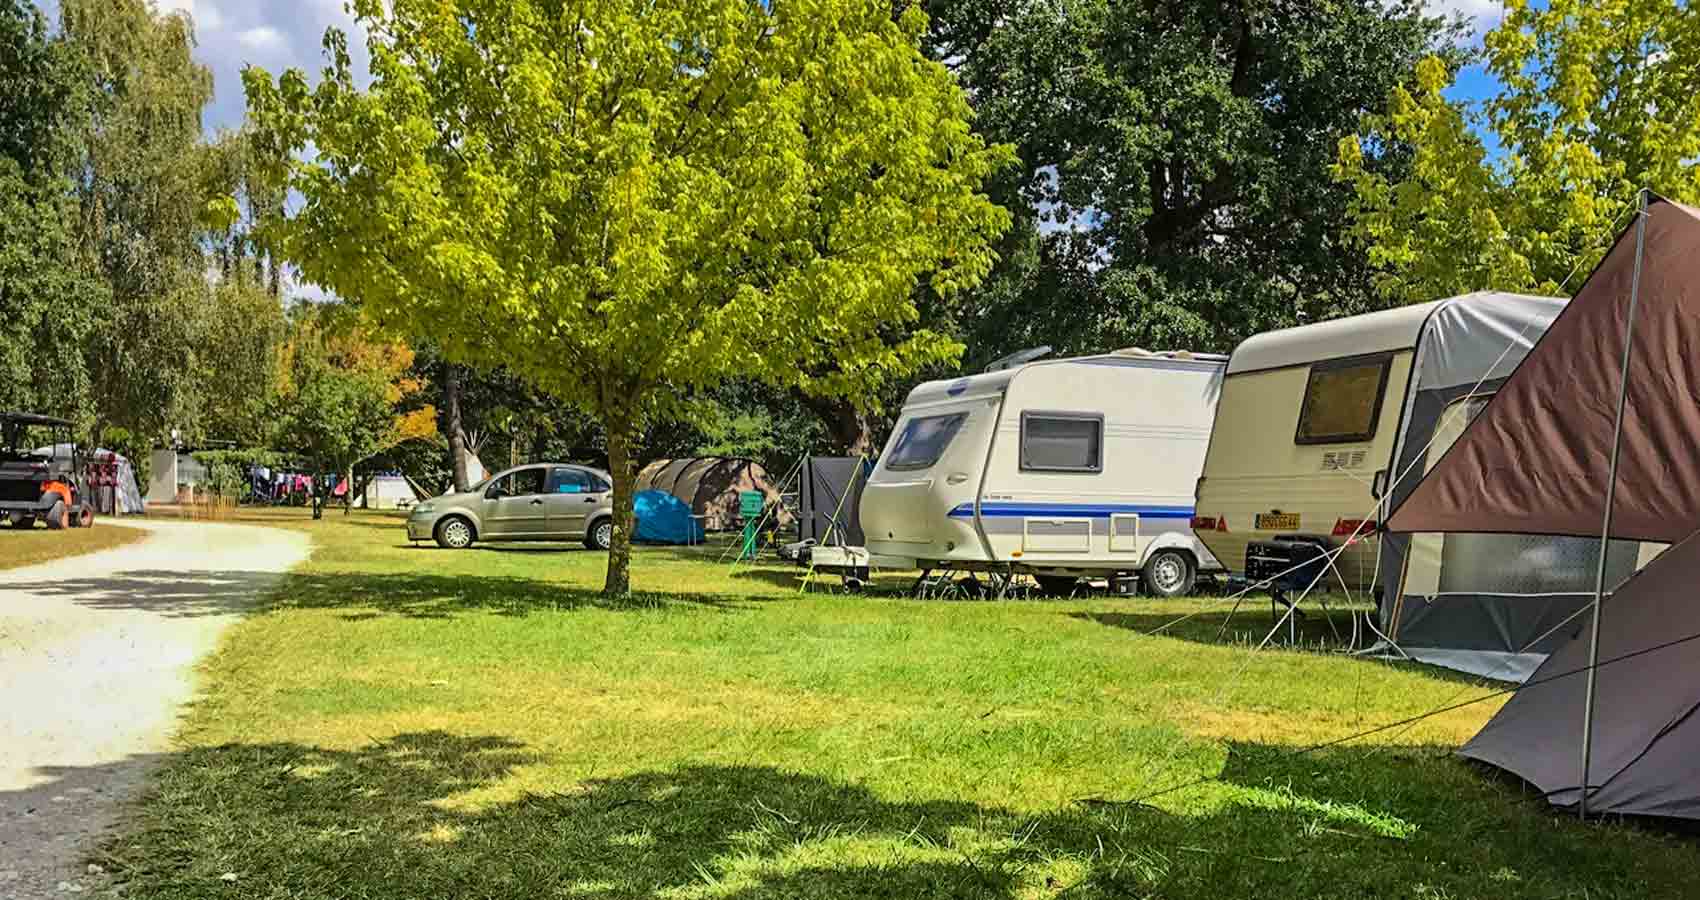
{"x":1611,"y":497}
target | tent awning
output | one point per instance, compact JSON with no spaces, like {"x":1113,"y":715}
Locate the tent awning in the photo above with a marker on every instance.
{"x":1534,"y":461}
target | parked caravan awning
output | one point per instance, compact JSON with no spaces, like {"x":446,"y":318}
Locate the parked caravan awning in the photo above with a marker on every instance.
{"x":1535,"y":460}
{"x":1475,"y":602}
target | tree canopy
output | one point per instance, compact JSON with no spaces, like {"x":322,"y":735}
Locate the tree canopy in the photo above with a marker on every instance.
{"x":1174,"y":184}
{"x":1596,"y":101}
{"x":623,"y":201}
{"x":344,"y":394}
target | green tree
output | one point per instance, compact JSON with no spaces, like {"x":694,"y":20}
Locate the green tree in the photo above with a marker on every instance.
{"x":47,"y":304}
{"x":628,"y":201}
{"x":1174,"y":186}
{"x":1597,"y":100}
{"x":141,"y":206}
{"x":345,"y":396}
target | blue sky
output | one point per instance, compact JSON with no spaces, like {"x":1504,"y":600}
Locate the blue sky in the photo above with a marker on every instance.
{"x":284,"y":33}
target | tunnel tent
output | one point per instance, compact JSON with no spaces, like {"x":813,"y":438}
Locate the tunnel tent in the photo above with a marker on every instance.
{"x":662,"y":474}
{"x":1480,"y":603}
{"x":709,"y":485}
{"x":1539,"y":459}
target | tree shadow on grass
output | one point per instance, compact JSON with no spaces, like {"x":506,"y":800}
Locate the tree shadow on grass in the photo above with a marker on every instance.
{"x":172,"y":594}
{"x":1250,"y":624}
{"x":400,"y":818}
{"x":426,"y":596}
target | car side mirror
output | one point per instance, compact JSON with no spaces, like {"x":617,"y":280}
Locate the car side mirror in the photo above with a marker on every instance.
{"x":494,"y":493}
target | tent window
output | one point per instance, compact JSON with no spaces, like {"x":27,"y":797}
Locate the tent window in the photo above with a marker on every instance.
{"x":923,"y":441}
{"x":1343,"y":400}
{"x":1062,"y":442}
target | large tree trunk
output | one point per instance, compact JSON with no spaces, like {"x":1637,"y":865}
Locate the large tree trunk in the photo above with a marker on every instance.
{"x":850,"y":430}
{"x":621,"y":440}
{"x":457,"y":432}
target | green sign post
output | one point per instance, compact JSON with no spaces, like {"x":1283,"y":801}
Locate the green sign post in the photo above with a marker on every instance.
{"x":750,"y":506}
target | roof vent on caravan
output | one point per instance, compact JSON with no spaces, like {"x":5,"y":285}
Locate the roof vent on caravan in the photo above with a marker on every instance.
{"x":1019,"y":358}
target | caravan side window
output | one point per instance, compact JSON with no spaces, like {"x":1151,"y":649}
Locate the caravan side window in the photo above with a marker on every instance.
{"x":1062,"y":442}
{"x":923,"y":441}
{"x":1342,"y":402}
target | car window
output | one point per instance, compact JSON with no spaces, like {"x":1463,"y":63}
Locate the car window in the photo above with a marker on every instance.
{"x":574,"y":481}
{"x":521,"y":483}
{"x":923,"y":441}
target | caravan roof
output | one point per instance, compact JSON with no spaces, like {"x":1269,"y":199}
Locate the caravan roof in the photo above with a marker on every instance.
{"x":954,"y":389}
{"x":1391,"y":329}
{"x":1376,"y":332}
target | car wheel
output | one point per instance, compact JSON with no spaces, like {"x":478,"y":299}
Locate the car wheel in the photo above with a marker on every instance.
{"x":601,"y":535}
{"x":1056,"y":585}
{"x":1169,"y":573}
{"x":23,"y":522}
{"x":57,"y":516}
{"x":84,"y":517}
{"x":455,"y":533}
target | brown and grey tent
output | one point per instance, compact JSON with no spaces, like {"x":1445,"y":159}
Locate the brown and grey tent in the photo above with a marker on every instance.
{"x":1547,"y":456}
{"x":709,"y":485}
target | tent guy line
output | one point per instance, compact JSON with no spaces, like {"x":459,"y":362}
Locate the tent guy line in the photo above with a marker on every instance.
{"x":1437,"y":711}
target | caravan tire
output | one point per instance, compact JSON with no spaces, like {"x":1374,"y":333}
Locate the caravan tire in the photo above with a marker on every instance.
{"x":1169,"y":573}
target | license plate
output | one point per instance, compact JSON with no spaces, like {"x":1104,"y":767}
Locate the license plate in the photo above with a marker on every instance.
{"x":1276,"y":522}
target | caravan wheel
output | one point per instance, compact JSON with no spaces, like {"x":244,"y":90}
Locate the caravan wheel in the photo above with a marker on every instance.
{"x":1168,"y":574}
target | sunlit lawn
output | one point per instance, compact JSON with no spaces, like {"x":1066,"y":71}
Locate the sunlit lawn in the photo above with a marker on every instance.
{"x":419,"y":723}
{"x":29,"y":546}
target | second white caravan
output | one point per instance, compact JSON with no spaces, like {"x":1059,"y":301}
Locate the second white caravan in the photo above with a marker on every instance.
{"x":1057,"y":468}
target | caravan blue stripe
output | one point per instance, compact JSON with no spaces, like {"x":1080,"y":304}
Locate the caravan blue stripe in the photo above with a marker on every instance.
{"x":1082,"y":510}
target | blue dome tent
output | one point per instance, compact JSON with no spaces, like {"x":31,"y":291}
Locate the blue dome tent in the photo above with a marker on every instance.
{"x":665,"y":519}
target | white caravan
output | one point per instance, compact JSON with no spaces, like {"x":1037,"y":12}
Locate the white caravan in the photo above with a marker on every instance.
{"x":1057,"y":468}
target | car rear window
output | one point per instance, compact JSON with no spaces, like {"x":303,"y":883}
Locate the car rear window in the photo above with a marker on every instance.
{"x":1342,"y":400}
{"x":922,"y":441}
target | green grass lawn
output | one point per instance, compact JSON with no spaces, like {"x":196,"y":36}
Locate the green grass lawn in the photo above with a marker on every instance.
{"x":28,"y":546}
{"x":416,"y":723}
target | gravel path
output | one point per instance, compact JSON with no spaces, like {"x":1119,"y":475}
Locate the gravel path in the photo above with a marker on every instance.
{"x":97,"y":657}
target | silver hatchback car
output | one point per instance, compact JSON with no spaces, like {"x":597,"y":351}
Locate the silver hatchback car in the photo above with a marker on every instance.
{"x":545,"y":502}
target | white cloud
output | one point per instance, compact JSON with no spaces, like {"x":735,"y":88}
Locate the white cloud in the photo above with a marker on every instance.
{"x":260,"y":37}
{"x":205,"y":15}
{"x":1482,"y":15}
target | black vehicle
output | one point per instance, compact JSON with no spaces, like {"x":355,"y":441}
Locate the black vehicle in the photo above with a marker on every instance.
{"x":44,"y":487}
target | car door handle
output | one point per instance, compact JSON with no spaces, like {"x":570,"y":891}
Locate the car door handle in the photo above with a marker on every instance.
{"x":537,"y":501}
{"x":957,"y":478}
{"x":590,"y":499}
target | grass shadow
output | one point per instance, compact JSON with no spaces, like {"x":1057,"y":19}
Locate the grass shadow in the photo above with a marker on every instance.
{"x":174,"y":594}
{"x":1250,"y":624}
{"x":413,"y":816}
{"x":427,"y":596}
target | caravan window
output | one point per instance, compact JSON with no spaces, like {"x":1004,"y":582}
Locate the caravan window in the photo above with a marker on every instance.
{"x":923,"y":440}
{"x":1062,"y":442}
{"x":1343,"y":400}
